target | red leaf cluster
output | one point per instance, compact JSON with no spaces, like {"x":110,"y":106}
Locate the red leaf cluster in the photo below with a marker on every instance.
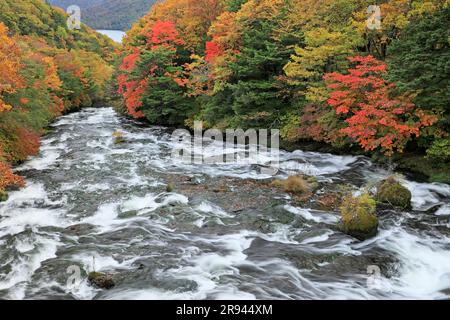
{"x":375,"y":118}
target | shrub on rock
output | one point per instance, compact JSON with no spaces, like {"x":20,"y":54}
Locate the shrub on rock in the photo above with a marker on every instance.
{"x":359,"y":218}
{"x":297,"y":184}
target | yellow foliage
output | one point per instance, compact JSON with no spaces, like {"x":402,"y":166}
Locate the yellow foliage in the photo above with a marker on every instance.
{"x":10,"y":79}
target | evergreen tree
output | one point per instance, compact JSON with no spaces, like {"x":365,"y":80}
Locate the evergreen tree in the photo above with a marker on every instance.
{"x":420,"y":62}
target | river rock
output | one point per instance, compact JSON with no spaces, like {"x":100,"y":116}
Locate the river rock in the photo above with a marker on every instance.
{"x":392,"y":193}
{"x":3,"y":196}
{"x":359,"y":218}
{"x":101,"y":280}
{"x":169,"y":188}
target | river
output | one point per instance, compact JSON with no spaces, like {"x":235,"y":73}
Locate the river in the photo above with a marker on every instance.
{"x":115,"y":35}
{"x":94,"y":204}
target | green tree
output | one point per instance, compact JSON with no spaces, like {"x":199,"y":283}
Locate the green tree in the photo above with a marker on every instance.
{"x":164,"y":100}
{"x":419,"y":61}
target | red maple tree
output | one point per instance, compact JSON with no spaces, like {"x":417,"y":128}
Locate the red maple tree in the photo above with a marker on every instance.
{"x":376,"y":119}
{"x":213,"y":50}
{"x":161,"y":35}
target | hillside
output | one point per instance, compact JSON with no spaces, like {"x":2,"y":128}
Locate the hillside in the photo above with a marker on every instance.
{"x":108,"y":14}
{"x":46,"y":70}
{"x":34,"y":17}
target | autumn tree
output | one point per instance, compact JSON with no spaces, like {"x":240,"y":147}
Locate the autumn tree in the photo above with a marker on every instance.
{"x":395,"y":16}
{"x":419,"y":61}
{"x":8,"y":178}
{"x":192,"y":18}
{"x":151,"y":78}
{"x":10,"y":79}
{"x":375,"y":118}
{"x":45,"y":69}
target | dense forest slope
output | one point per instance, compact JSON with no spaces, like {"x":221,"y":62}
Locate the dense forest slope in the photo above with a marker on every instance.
{"x":318,"y":70}
{"x":45,"y":70}
{"x":108,"y":14}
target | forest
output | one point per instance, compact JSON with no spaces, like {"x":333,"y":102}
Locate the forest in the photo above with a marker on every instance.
{"x":321,"y":71}
{"x":46,"y":70}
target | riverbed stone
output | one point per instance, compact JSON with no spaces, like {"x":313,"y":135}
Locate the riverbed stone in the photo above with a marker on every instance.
{"x":391,"y":192}
{"x":101,"y":280}
{"x":169,"y":188}
{"x":3,"y":196}
{"x":358,"y":217}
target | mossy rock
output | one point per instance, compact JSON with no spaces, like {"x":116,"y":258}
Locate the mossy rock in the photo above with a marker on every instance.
{"x":359,"y":218}
{"x":391,"y":192}
{"x":169,"y":188}
{"x":101,"y":280}
{"x":313,"y":183}
{"x":119,"y":140}
{"x":3,"y":196}
{"x":119,"y":137}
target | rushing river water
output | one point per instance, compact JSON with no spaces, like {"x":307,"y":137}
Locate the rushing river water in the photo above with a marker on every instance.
{"x":98,"y":205}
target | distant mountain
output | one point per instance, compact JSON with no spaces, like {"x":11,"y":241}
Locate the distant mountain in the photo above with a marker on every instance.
{"x":108,"y":14}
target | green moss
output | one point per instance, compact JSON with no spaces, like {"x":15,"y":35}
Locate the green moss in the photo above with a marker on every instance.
{"x":425,"y":169}
{"x":169,"y":188}
{"x":119,"y":137}
{"x":359,"y":217}
{"x":119,"y":140}
{"x":393,"y":193}
{"x":101,"y":280}
{"x":3,"y":196}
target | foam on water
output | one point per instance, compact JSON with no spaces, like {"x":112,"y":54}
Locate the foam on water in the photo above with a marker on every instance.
{"x":309,"y":215}
{"x":426,"y":195}
{"x":424,"y":269}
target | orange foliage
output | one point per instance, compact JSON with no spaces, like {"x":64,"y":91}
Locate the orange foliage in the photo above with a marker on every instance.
{"x":26,"y":143}
{"x":8,"y":178}
{"x":375,"y":119}
{"x":161,"y":34}
{"x":10,"y":79}
{"x":192,"y":18}
{"x":52,"y":80}
{"x":131,"y":90}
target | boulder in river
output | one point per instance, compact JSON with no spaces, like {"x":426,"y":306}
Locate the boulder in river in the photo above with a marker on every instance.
{"x":169,"y":188}
{"x":119,"y":137}
{"x":359,"y":218}
{"x":391,"y":192}
{"x":3,"y":196}
{"x":101,"y":280}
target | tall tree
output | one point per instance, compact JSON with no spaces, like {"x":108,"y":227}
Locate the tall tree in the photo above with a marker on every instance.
{"x":375,"y":118}
{"x":419,"y":61}
{"x":10,"y":79}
